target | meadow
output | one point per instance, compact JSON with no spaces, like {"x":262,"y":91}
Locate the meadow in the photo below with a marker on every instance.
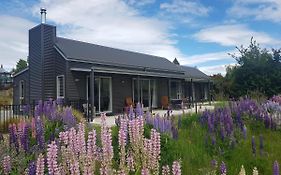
{"x":241,"y":137}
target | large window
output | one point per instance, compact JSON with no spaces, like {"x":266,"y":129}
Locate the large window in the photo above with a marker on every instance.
{"x":175,"y":89}
{"x":60,"y":86}
{"x":144,"y":91}
{"x":102,"y":94}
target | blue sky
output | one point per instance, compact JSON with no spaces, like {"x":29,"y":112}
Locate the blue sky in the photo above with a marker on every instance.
{"x":198,"y":33}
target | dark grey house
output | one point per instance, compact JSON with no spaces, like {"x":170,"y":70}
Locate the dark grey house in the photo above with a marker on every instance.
{"x":103,"y":76}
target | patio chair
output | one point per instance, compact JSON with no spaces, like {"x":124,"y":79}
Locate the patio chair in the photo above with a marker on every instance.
{"x":128,"y":104}
{"x":164,"y":102}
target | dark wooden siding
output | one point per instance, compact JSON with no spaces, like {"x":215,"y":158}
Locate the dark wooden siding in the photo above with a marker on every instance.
{"x":16,"y":81}
{"x":42,"y":62}
{"x":49,"y":77}
{"x":35,"y":63}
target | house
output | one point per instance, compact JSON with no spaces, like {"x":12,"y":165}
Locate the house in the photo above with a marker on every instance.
{"x":79,"y":71}
{"x":5,"y":78}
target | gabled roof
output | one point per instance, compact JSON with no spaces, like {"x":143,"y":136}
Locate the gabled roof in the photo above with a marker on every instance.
{"x":194,"y":73}
{"x":82,"y":51}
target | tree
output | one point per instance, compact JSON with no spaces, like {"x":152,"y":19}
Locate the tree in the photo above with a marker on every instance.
{"x":258,"y":71}
{"x":21,"y":64}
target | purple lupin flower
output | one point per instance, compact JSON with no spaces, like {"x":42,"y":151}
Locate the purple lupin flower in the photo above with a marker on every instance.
{"x":32,"y":168}
{"x":253,"y":145}
{"x":276,"y":168}
{"x":176,"y":168}
{"x":25,"y":138}
{"x":52,"y":155}
{"x":131,"y":113}
{"x":175,"y":133}
{"x":6,"y":163}
{"x":68,"y":118}
{"x":40,"y":165}
{"x":214,"y":163}
{"x":139,"y":110}
{"x":223,"y":168}
{"x":39,"y":132}
{"x":13,"y":136}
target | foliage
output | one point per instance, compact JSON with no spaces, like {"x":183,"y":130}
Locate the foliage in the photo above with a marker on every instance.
{"x":21,"y":65}
{"x":257,"y":73}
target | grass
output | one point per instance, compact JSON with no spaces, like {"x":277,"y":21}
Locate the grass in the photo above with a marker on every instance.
{"x":196,"y":155}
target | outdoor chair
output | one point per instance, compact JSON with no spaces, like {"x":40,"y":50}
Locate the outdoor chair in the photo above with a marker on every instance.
{"x":164,"y":102}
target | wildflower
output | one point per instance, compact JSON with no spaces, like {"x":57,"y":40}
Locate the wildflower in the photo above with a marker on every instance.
{"x":122,"y":138}
{"x":253,"y":145}
{"x":242,"y":171}
{"x":144,"y":171}
{"x":139,"y":110}
{"x":52,"y":152}
{"x":276,"y":168}
{"x":223,"y":169}
{"x":68,"y":118}
{"x":255,"y":171}
{"x":166,"y":170}
{"x":214,"y":163}
{"x":6,"y":163}
{"x":32,"y":169}
{"x":176,"y":168}
{"x":40,"y":165}
{"x":39,"y":132}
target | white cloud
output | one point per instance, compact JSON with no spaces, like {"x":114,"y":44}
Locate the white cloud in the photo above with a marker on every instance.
{"x":208,"y":57}
{"x":233,"y":35}
{"x":112,"y":23}
{"x":140,"y":2}
{"x":13,"y":39}
{"x":269,"y":10}
{"x":186,"y":7}
{"x":211,"y":70}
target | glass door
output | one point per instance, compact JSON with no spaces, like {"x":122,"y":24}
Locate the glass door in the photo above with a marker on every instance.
{"x":145,"y":93}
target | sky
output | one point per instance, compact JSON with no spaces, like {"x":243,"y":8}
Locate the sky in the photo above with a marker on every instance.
{"x":199,"y":33}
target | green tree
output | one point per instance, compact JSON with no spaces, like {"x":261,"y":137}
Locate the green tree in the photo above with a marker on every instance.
{"x":258,"y":71}
{"x":21,"y":64}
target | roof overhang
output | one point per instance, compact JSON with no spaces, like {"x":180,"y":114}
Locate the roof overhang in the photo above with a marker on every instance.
{"x":129,"y":72}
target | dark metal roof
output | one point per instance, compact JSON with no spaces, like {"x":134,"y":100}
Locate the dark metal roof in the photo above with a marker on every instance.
{"x":194,"y":73}
{"x":82,"y":51}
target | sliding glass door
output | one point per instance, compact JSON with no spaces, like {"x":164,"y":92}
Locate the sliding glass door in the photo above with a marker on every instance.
{"x":102,"y":94}
{"x":144,"y":91}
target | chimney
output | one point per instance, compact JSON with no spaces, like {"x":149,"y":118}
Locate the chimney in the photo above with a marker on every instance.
{"x":43,"y":12}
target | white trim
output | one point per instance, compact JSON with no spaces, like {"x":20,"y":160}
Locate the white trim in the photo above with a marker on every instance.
{"x":58,"y":88}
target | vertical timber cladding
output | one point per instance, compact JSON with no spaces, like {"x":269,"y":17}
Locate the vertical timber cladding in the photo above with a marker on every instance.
{"x":35,"y":63}
{"x":49,"y":76}
{"x":42,"y":62}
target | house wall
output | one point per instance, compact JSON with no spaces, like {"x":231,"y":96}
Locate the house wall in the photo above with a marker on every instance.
{"x":25,"y":77}
{"x":42,"y":62}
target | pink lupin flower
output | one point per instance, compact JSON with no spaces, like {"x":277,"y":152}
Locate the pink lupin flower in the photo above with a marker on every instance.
{"x":166,"y":170}
{"x":6,"y":163}
{"x":80,"y":139}
{"x":107,"y":148}
{"x":130,"y":162}
{"x":74,"y":167}
{"x":40,"y":165}
{"x":176,"y":168}
{"x":156,"y":149}
{"x":144,"y":171}
{"x":91,"y":145}
{"x":52,"y":152}
{"x":63,"y":137}
{"x":122,"y":138}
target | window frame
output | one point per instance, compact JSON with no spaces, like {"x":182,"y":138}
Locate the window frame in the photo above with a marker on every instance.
{"x":58,"y":86}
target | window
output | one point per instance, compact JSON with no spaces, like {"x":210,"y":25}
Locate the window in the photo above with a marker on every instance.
{"x":60,"y":86}
{"x":21,"y":90}
{"x":102,"y":93}
{"x":175,"y":90}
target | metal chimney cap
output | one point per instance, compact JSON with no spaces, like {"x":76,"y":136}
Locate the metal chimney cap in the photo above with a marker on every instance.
{"x":43,"y":10}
